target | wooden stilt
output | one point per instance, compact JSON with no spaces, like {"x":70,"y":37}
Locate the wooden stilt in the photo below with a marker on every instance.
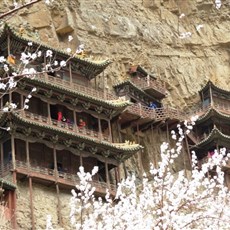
{"x":110,"y":131}
{"x":167,"y":132}
{"x":99,"y":127}
{"x":81,"y":160}
{"x":31,"y":203}
{"x":13,"y":152}
{"x":59,"y":205}
{"x":107,"y":173}
{"x":27,"y":155}
{"x":2,"y":159}
{"x":48,"y":110}
{"x":188,"y":151}
{"x":154,"y":155}
{"x":70,"y":73}
{"x":120,"y":140}
{"x":139,"y":153}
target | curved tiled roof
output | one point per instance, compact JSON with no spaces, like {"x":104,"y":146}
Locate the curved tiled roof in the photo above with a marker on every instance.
{"x":218,"y":89}
{"x":211,"y":112}
{"x":129,"y":82}
{"x":215,"y":134}
{"x":111,"y":103}
{"x":93,"y":64}
{"x":7,"y":184}
{"x":118,"y":147}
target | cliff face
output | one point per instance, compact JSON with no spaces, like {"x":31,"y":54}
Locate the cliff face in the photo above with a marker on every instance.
{"x":184,"y":51}
{"x":145,"y":32}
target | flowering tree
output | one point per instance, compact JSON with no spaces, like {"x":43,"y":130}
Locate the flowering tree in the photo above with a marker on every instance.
{"x":162,"y":200}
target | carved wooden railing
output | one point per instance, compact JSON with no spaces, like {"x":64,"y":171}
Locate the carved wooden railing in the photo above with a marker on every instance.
{"x":158,"y":114}
{"x":76,"y":87}
{"x":145,"y":83}
{"x":5,"y":169}
{"x":65,"y":126}
{"x":73,"y":178}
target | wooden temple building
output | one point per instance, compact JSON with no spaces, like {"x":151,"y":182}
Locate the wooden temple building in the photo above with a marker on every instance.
{"x":146,"y":93}
{"x":68,"y":124}
{"x":212,"y":129}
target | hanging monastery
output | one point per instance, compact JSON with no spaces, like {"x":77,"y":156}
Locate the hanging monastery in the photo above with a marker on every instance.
{"x":70,"y":123}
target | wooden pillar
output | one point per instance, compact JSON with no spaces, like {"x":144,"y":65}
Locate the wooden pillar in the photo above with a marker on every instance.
{"x":59,"y":205}
{"x":210,"y":91}
{"x":154,"y":154}
{"x":139,"y":153}
{"x":81,"y":160}
{"x":14,"y":180}
{"x":22,"y":102}
{"x":27,"y":155}
{"x":119,"y":173}
{"x":99,"y":127}
{"x":110,"y":132}
{"x":2,"y":160}
{"x":8,"y":44}
{"x":31,"y":203}
{"x":167,"y":131}
{"x":120,"y":140}
{"x":75,"y":120}
{"x":49,"y":113}
{"x":55,"y":162}
{"x":13,"y":152}
{"x":107,"y":173}
{"x":103,"y":74}
{"x":70,"y":73}
{"x":12,"y":208}
{"x":187,"y":147}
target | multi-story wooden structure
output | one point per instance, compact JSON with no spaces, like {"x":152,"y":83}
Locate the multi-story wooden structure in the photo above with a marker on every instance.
{"x":212,"y":130}
{"x":146,"y":94}
{"x":67,"y":125}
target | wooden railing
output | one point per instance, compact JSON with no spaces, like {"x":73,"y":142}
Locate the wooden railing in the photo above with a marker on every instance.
{"x":158,"y":114}
{"x":73,"y":178}
{"x":145,"y":83}
{"x":76,"y":87}
{"x":5,"y":169}
{"x":83,"y":131}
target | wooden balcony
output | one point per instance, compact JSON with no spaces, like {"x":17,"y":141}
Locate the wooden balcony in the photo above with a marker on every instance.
{"x":65,"y":126}
{"x":153,"y":87}
{"x":143,"y":114}
{"x":64,"y":179}
{"x":76,"y":87}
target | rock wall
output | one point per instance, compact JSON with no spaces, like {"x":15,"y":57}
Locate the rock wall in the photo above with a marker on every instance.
{"x":184,"y":51}
{"x":45,"y":203}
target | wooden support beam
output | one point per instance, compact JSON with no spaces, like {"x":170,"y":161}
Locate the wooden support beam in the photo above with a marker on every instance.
{"x":81,"y":160}
{"x":99,"y":127}
{"x":31,"y":203}
{"x":13,"y":151}
{"x":107,"y":173}
{"x":27,"y":155}
{"x":59,"y":205}
{"x":55,"y":163}
{"x":2,"y":158}
{"x":70,"y":73}
{"x":110,"y":132}
{"x":139,"y":154}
